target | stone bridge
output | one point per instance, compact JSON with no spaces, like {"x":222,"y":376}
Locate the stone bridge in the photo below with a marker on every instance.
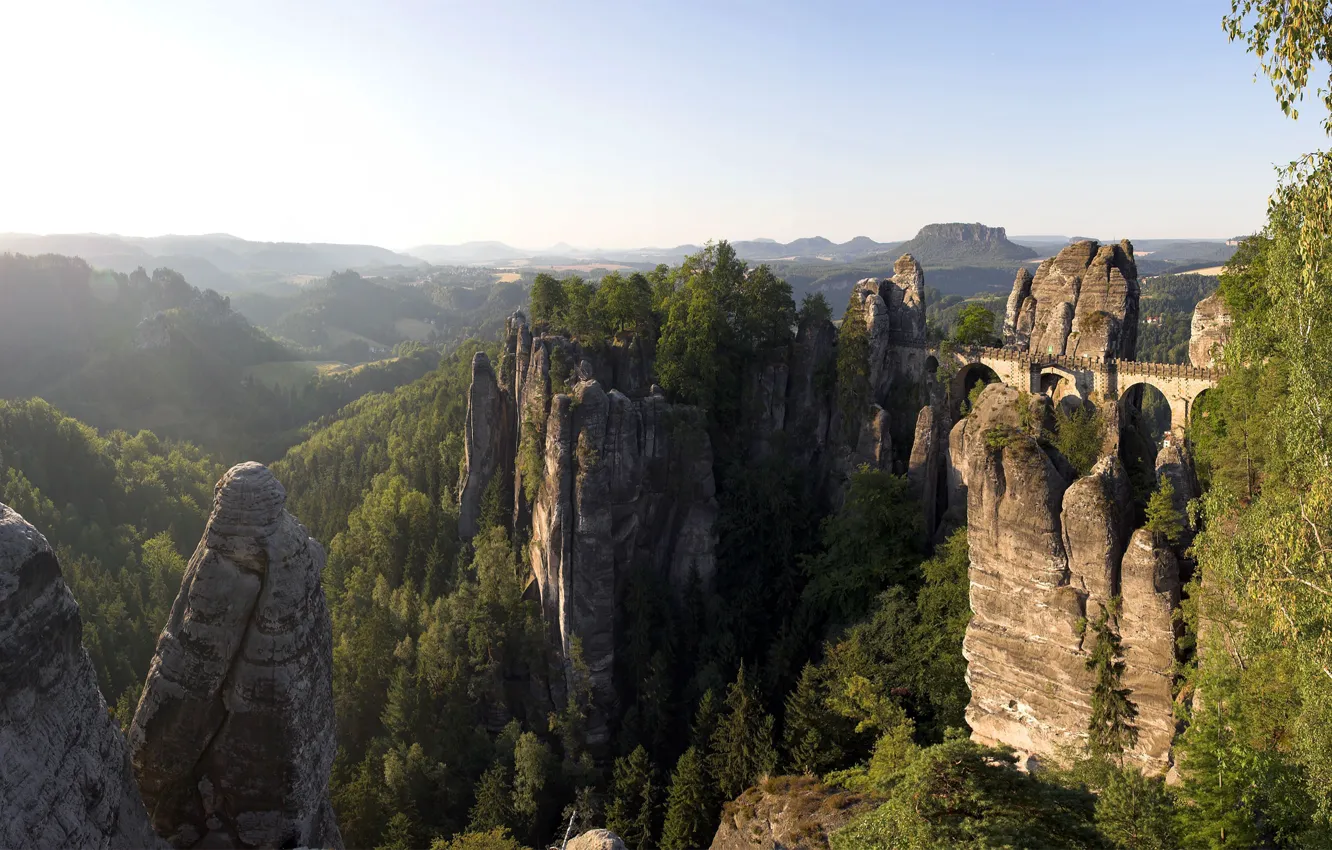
{"x":1087,"y":378}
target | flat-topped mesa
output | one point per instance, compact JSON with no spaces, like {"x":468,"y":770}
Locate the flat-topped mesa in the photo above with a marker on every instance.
{"x":233,"y":739}
{"x":1081,"y":302}
{"x":65,"y":776}
{"x":1209,"y":331}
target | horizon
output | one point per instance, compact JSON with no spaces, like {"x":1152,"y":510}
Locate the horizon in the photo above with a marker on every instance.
{"x":409,"y":125}
{"x":1033,"y":237}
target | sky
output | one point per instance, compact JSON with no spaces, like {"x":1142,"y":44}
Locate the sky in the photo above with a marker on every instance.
{"x":633,"y":124}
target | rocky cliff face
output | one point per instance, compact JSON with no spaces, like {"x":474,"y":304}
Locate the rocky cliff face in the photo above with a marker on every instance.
{"x":1081,"y":302}
{"x":608,"y":476}
{"x":605,"y":482}
{"x":1047,"y":552}
{"x":483,"y":442}
{"x":65,"y":776}
{"x":1150,"y":589}
{"x":233,"y":739}
{"x":1209,"y":331}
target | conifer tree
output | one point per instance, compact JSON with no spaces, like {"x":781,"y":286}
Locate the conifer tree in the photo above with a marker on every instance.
{"x":493,"y":808}
{"x":690,"y":805}
{"x":632,"y":811}
{"x":1111,"y":730}
{"x":742,"y":750}
{"x":1163,"y":517}
{"x":809,"y":750}
{"x":705,"y":722}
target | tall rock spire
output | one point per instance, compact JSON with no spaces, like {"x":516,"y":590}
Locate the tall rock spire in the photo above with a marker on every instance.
{"x":233,"y":740}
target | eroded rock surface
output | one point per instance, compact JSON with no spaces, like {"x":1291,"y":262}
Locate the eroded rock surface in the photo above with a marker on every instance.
{"x":1047,"y":553}
{"x":1020,"y":313}
{"x":596,"y":839}
{"x":787,"y":813}
{"x":483,"y":442}
{"x":233,"y":739}
{"x":1081,"y":302}
{"x":626,"y":484}
{"x":65,"y":775}
{"x":1150,"y":589}
{"x":1023,"y":646}
{"x":1209,"y":330}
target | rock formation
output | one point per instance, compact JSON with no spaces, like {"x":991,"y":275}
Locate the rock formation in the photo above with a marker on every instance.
{"x":606,"y":482}
{"x":1209,"y":331}
{"x":597,"y":839}
{"x":929,"y":447}
{"x":1021,"y":312}
{"x":233,"y":739}
{"x":65,"y":776}
{"x":1150,"y":588}
{"x":1046,"y":553}
{"x":1082,"y":302}
{"x":483,"y":442}
{"x":787,"y":813}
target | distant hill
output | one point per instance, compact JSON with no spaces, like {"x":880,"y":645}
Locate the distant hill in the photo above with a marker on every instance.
{"x":134,"y":351}
{"x":957,"y":244}
{"x":217,"y":261}
{"x":468,"y":253}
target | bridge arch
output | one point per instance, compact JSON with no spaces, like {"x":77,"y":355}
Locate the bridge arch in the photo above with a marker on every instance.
{"x":1153,"y":403}
{"x":966,"y":378}
{"x":1063,"y":386}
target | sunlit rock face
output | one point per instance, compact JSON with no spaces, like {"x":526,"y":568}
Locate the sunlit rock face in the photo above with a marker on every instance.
{"x":1049,"y":551}
{"x":1209,"y":330}
{"x":233,"y":740}
{"x":65,"y":776}
{"x":1082,"y":302}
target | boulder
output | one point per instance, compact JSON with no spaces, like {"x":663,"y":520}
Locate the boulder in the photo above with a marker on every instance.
{"x":233,"y":739}
{"x":65,"y":775}
{"x":597,"y":839}
{"x":787,"y":813}
{"x":1209,"y":331}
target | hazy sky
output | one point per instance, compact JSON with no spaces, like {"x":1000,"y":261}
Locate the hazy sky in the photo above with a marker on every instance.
{"x":631,"y":124}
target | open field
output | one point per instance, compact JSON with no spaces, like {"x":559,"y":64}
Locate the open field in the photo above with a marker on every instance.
{"x":286,"y":374}
{"x":337,"y":336}
{"x":507,"y":277}
{"x":414,"y":329}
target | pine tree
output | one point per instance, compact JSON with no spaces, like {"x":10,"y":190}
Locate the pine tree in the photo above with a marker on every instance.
{"x":690,"y":808}
{"x":494,"y":801}
{"x":1111,"y":730}
{"x":705,"y":722}
{"x":1162,"y":516}
{"x":808,"y":747}
{"x":632,"y":811}
{"x":1134,"y":812}
{"x":742,"y":750}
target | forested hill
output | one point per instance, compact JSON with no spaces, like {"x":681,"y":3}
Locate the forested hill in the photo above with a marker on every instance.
{"x":1166,"y":314}
{"x":138,"y":351}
